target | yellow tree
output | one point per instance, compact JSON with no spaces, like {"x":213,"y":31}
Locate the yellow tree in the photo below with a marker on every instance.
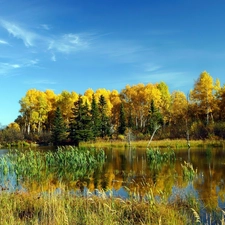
{"x":137,"y":100}
{"x":34,"y":109}
{"x":165,"y":100}
{"x":151,"y":94}
{"x":178,"y":114}
{"x":203,"y":96}
{"x":51,"y":101}
{"x":106,"y":94}
{"x":14,"y":126}
{"x":222,"y":102}
{"x":65,"y":101}
{"x":88,"y":94}
{"x":217,"y":99}
{"x":42,"y":109}
{"x":115,"y":101}
{"x":131,"y":95}
{"x":126,"y":96}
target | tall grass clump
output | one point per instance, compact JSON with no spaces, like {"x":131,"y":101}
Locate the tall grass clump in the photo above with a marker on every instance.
{"x":189,"y":173}
{"x":51,"y":207}
{"x":159,"y":157}
{"x":68,"y":162}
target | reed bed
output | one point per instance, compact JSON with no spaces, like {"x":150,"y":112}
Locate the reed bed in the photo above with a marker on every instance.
{"x":68,"y":162}
{"x":63,"y":208}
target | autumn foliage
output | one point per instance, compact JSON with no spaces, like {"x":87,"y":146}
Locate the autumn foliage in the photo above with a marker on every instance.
{"x":201,"y":112}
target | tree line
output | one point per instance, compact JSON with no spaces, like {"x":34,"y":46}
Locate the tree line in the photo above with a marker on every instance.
{"x":138,"y":109}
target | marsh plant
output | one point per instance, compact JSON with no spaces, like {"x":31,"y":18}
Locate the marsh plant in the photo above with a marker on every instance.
{"x":157,"y":158}
{"x":67,"y":161}
{"x":189,"y":173}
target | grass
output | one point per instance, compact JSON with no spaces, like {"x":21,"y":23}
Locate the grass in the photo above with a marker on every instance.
{"x":175,"y":144}
{"x":63,"y":208}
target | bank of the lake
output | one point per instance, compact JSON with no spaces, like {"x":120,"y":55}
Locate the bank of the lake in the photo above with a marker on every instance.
{"x":171,"y":143}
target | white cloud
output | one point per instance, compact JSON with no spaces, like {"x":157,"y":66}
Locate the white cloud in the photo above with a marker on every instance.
{"x":3,"y":42}
{"x":20,"y":33}
{"x":31,"y":62}
{"x":68,"y":43}
{"x":15,"y":66}
{"x":53,"y":58}
{"x":6,"y":68}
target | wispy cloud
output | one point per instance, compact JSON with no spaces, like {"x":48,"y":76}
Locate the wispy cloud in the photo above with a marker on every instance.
{"x":53,"y":58}
{"x":6,"y":68}
{"x":33,"y":62}
{"x":18,"y":32}
{"x":15,"y":66}
{"x":3,"y":42}
{"x":151,"y":67}
{"x":68,"y":43}
{"x":45,"y":26}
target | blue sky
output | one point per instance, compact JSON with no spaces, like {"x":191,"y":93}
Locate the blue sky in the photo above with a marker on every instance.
{"x":74,"y":45}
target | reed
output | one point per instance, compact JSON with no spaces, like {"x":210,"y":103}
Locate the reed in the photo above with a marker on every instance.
{"x":63,"y":208}
{"x":189,"y":173}
{"x":67,"y":162}
{"x":157,"y":158}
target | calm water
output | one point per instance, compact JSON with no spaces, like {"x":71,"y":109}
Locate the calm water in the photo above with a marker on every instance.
{"x":127,"y":172}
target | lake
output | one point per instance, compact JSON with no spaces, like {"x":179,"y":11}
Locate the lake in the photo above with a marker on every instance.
{"x":127,"y":172}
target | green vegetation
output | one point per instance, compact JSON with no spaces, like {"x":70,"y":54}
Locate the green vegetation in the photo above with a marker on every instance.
{"x":155,"y":156}
{"x":104,"y":119}
{"x":58,"y":130}
{"x":80,"y":123}
{"x":65,"y":163}
{"x":188,"y":171}
{"x":122,"y":120}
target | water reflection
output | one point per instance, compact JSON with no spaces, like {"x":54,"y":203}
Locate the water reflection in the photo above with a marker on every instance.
{"x":127,"y":171}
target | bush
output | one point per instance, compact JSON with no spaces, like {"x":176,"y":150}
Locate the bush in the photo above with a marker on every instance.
{"x":219,"y":129}
{"x":121,"y":137}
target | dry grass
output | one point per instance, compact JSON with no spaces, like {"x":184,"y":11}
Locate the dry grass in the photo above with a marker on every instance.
{"x":175,"y":144}
{"x":63,"y":208}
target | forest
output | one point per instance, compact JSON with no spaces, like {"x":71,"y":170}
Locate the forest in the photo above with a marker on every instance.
{"x":136,"y":111}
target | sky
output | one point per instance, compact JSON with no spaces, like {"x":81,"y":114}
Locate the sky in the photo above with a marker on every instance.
{"x":75,"y":45}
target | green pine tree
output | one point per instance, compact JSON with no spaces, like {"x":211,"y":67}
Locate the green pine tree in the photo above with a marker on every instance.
{"x":80,"y":123}
{"x":130,"y":122}
{"x":122,"y":120}
{"x":104,"y":119}
{"x":59,"y":128}
{"x":95,"y":118}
